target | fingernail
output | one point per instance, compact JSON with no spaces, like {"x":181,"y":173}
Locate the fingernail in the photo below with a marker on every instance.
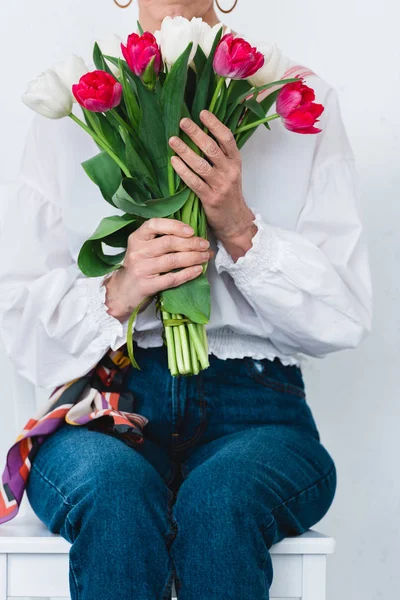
{"x":204,"y":244}
{"x":205,"y":255}
{"x":198,"y":269}
{"x":185,"y":122}
{"x":174,"y":141}
{"x":204,"y":113}
{"x":187,"y":229}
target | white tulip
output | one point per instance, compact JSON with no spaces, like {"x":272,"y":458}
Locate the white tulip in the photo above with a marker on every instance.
{"x":71,"y":71}
{"x":175,"y":35}
{"x":273,"y":68}
{"x":48,"y":96}
{"x":111,"y":46}
{"x":207,"y":36}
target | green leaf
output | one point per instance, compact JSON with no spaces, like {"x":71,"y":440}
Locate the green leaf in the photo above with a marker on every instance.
{"x":131,"y":197}
{"x":255,"y":108}
{"x":265,"y":105}
{"x":138,"y":168}
{"x":269,"y":101}
{"x":98,"y":59}
{"x":91,"y":260}
{"x":109,"y":259}
{"x":110,"y":225}
{"x":236,"y":88}
{"x":140,"y":29}
{"x":138,"y":194}
{"x":172,"y":95}
{"x":105,"y":173}
{"x":191,"y":299}
{"x":111,"y":133}
{"x":267,"y":86}
{"x":233,"y":120}
{"x":222,"y":104}
{"x":131,"y":102}
{"x":200,"y":60}
{"x":204,"y":90}
{"x":152,"y":133}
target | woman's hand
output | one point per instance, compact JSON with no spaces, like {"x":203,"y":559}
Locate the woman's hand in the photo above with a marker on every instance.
{"x":218,"y":185}
{"x":149,"y":262}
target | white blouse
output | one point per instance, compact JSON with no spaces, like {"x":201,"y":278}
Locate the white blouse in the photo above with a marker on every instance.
{"x":302,"y":289}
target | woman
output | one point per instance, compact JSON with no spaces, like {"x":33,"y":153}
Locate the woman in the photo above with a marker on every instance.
{"x":232,"y":461}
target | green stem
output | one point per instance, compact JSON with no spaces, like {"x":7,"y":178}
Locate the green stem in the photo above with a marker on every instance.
{"x":122,"y":122}
{"x":171,"y":177}
{"x":129,"y":335}
{"x":185,"y":346}
{"x":170,"y":346}
{"x":102,"y":144}
{"x":199,"y":345}
{"x":195,"y":360}
{"x":256,"y":123}
{"x":178,"y":348}
{"x":214,"y":99}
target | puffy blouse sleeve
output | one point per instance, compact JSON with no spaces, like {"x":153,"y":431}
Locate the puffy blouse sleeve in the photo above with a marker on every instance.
{"x":53,"y":320}
{"x":311,"y":285}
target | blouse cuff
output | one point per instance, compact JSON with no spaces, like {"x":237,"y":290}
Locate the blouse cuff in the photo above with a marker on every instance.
{"x":111,"y":328}
{"x":266,"y":254}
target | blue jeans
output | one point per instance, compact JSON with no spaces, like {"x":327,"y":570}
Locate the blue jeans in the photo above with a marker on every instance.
{"x":231,"y":464}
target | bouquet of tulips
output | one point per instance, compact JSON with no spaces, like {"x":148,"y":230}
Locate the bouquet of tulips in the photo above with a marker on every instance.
{"x":132,"y":104}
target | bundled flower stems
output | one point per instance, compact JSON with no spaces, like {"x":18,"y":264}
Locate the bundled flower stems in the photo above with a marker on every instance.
{"x":132,"y":104}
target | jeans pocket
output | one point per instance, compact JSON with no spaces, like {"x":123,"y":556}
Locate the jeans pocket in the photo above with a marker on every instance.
{"x":276,"y":376}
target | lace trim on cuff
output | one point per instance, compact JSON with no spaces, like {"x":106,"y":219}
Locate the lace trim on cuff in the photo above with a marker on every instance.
{"x":267,"y":253}
{"x":98,"y":313}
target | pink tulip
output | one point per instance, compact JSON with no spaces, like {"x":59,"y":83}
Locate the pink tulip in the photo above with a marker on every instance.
{"x":236,"y":59}
{"x":139,"y":51}
{"x":295,"y":105}
{"x":98,"y":91}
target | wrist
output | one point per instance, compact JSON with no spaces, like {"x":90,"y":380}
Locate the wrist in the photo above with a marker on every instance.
{"x":238,"y":243}
{"x":114,"y":299}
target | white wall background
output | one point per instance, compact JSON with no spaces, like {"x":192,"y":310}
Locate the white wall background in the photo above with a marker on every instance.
{"x":353,"y":44}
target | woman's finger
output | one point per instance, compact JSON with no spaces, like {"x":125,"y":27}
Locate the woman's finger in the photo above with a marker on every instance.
{"x":160,"y":226}
{"x":198,"y":185}
{"x":198,"y":164}
{"x":169,"y":262}
{"x":172,"y":243}
{"x":204,"y":142}
{"x":221,"y":132}
{"x":171,"y":280}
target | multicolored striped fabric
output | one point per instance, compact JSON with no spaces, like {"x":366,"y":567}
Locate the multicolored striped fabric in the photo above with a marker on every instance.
{"x":83,"y":401}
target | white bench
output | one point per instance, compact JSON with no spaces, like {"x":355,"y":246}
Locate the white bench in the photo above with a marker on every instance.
{"x":34,"y":563}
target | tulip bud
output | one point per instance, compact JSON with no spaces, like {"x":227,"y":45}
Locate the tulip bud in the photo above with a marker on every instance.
{"x":48,"y":96}
{"x":236,"y":58}
{"x":139,"y":52}
{"x":175,"y":35}
{"x":207,"y":36}
{"x":295,"y":105}
{"x":98,"y":91}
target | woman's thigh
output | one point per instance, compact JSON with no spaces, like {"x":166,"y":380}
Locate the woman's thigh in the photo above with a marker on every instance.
{"x":76,"y":463}
{"x":282,"y":476}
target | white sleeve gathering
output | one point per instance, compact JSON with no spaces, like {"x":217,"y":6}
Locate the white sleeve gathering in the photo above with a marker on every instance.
{"x":53,"y":320}
{"x":312,"y":286}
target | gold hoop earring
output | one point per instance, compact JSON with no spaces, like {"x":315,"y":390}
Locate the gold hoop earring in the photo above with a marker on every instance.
{"x":123,"y":5}
{"x":224,"y":10}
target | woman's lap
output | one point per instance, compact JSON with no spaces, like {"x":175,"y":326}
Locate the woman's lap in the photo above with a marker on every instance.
{"x":233,"y":454}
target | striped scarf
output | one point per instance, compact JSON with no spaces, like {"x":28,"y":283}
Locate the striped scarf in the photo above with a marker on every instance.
{"x":82,"y":401}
